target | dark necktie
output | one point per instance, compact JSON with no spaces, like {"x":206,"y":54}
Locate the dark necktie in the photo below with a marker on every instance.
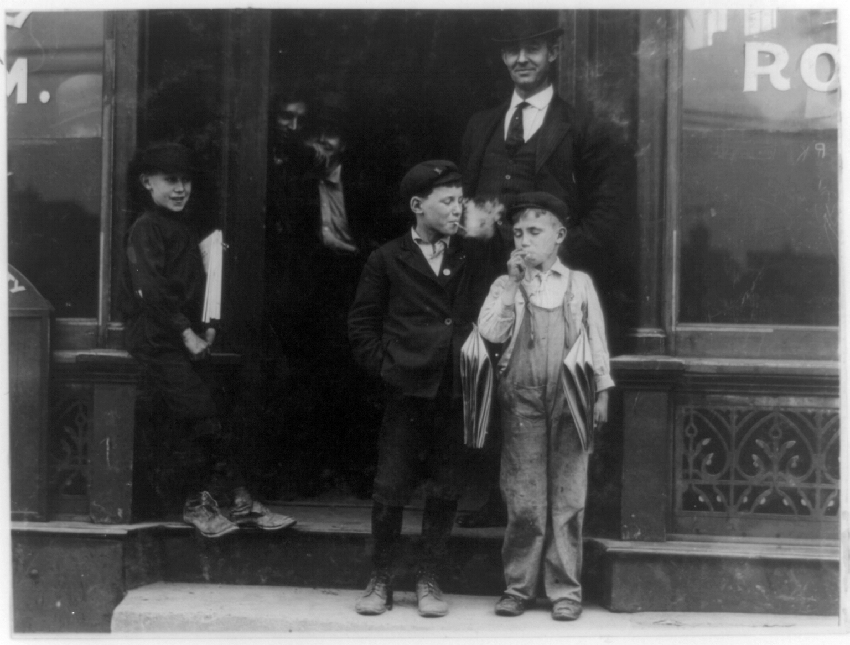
{"x":515,"y":136}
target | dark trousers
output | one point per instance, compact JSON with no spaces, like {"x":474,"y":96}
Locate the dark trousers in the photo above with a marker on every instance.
{"x":192,"y":450}
{"x":421,"y":441}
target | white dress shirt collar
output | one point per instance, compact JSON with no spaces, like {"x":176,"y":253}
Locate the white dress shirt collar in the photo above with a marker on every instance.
{"x":433,"y":251}
{"x":558,"y":269}
{"x":539,"y":101}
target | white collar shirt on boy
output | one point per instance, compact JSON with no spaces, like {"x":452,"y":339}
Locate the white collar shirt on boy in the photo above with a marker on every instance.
{"x":546,"y":288}
{"x":433,"y":252}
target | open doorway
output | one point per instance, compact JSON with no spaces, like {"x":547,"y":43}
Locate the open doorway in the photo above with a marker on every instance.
{"x":404,"y":84}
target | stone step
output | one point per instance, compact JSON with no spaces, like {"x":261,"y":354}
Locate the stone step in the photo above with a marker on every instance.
{"x":330,"y":549}
{"x":180,"y":608}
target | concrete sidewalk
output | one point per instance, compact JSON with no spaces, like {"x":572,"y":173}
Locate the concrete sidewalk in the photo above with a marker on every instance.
{"x":240,"y":611}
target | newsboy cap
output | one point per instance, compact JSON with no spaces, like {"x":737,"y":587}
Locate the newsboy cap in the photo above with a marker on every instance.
{"x":166,"y":158}
{"x":518,"y":26}
{"x":542,"y":201}
{"x":426,"y":176}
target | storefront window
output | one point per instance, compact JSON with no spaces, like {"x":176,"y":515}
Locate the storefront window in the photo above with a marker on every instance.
{"x":759,"y":168}
{"x":54,"y":100}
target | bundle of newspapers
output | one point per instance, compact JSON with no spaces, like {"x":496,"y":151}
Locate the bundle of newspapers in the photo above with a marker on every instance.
{"x":212,"y":252}
{"x":477,"y":381}
{"x":579,"y":383}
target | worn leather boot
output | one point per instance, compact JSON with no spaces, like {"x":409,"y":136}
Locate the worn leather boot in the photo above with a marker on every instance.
{"x":248,"y":512}
{"x":437,"y":520}
{"x":429,"y":596}
{"x":386,"y":532}
{"x":201,"y":511}
{"x":378,"y":596}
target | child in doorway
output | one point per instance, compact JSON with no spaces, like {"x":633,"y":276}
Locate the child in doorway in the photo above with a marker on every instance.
{"x":163,"y":293}
{"x":415,"y":305}
{"x":539,"y":307}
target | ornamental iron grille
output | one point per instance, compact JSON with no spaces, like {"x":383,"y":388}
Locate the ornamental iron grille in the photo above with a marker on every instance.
{"x":746,"y":462}
{"x":68,"y":450}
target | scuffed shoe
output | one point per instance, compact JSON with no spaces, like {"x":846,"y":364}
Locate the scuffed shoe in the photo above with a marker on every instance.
{"x":510,"y":605}
{"x":429,"y":596}
{"x":378,"y":596}
{"x":247,"y":512}
{"x":203,"y":513}
{"x":566,"y":610}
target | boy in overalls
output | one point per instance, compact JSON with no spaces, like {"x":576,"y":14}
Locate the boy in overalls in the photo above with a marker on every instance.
{"x":540,"y":307}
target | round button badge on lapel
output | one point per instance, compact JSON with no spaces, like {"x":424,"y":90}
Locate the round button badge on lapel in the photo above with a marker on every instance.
{"x":447,"y":271}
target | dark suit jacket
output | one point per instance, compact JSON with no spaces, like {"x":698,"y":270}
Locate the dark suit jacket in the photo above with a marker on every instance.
{"x":406,"y":322}
{"x":579,"y":160}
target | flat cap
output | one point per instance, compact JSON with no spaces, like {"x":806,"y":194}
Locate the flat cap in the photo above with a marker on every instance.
{"x":166,"y":158}
{"x":542,"y":201}
{"x":517,"y":26}
{"x":426,"y":176}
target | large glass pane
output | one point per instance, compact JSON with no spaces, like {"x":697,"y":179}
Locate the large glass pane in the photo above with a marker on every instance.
{"x":759,"y":218}
{"x":55,"y":76}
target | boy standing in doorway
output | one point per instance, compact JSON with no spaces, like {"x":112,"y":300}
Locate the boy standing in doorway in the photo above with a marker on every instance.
{"x":163,"y":296}
{"x":417,"y":299}
{"x":540,"y":308}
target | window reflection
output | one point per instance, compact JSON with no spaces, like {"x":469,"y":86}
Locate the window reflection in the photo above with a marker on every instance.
{"x":54,"y":129}
{"x":701,"y":25}
{"x":759,"y":214}
{"x":759,"y":20}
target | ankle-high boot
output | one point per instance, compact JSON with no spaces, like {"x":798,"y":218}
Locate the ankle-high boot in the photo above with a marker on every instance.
{"x":437,"y":521}
{"x":386,"y":532}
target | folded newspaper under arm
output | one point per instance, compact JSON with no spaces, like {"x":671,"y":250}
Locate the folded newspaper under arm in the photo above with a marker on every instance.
{"x":212,"y":252}
{"x":579,"y":383}
{"x":477,"y":379}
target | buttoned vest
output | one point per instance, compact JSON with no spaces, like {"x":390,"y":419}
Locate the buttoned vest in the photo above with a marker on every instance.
{"x":501,"y":173}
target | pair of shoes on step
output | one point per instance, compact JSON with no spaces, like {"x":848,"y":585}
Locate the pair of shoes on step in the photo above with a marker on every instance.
{"x":563,"y":609}
{"x":202,"y":512}
{"x":378,"y":596}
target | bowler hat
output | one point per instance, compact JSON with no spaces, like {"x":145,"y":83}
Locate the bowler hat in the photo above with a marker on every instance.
{"x":518,"y":26}
{"x":166,"y":158}
{"x":542,"y":201}
{"x":426,"y":176}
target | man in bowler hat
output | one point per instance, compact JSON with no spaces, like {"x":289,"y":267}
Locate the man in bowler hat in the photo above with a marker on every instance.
{"x":536,"y":141}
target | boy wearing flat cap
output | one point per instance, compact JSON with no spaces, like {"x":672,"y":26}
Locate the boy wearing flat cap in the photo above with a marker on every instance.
{"x":539,"y":309}
{"x":163,"y":296}
{"x":417,"y":299}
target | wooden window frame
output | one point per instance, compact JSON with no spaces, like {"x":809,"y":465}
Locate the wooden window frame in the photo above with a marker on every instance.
{"x":118,"y":121}
{"x":789,"y":342}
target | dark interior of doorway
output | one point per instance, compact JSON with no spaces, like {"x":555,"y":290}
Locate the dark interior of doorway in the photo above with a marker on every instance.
{"x":408,"y":80}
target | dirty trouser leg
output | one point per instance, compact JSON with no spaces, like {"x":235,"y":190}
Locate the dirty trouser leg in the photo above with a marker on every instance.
{"x":524,"y":486}
{"x":568,"y":485}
